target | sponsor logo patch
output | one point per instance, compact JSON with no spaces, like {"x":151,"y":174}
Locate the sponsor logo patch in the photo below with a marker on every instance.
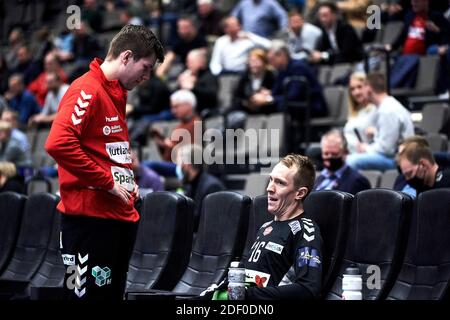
{"x":68,"y":259}
{"x":274,"y":247}
{"x":295,"y":226}
{"x":267,"y":230}
{"x":101,"y":275}
{"x":124,"y":177}
{"x":119,"y":151}
{"x":259,"y":278}
{"x":308,"y":257}
{"x":112,"y":119}
{"x":106,"y":130}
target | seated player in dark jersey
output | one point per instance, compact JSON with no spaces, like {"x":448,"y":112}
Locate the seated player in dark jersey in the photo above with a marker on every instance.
{"x":289,"y":244}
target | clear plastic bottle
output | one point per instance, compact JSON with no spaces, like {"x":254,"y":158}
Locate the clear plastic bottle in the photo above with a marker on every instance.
{"x":352,"y":284}
{"x":236,"y":281}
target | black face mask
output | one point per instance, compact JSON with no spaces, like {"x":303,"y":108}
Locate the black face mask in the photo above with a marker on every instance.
{"x":417,"y":183}
{"x":335,"y":164}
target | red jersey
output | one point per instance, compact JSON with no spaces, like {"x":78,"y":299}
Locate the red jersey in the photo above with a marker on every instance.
{"x":89,"y":141}
{"x":415,"y":41}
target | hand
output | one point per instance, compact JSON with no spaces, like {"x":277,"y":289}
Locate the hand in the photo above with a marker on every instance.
{"x":370,"y":132}
{"x":315,"y":56}
{"x":431,"y":26}
{"x":136,"y":193}
{"x":120,"y":192}
{"x":361,"y":147}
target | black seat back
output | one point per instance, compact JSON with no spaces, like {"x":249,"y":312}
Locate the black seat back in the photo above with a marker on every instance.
{"x":425,"y":273}
{"x":220,"y":239}
{"x":11,"y":210}
{"x":34,"y":237}
{"x":258,"y":216}
{"x":377,"y":234}
{"x":163,"y":242}
{"x":331,"y":211}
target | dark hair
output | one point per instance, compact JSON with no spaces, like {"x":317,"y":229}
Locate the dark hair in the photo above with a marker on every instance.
{"x":140,"y":40}
{"x":377,"y":81}
{"x":306,"y":173}
{"x":331,"y":5}
{"x":415,"y":150}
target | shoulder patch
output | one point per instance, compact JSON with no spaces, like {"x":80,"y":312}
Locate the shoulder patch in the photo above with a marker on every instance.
{"x":266,"y":224}
{"x":80,"y":107}
{"x":295,"y":226}
{"x":308,"y":233}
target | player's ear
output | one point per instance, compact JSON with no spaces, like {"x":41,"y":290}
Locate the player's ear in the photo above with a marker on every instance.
{"x":126,"y":56}
{"x":301,"y":193}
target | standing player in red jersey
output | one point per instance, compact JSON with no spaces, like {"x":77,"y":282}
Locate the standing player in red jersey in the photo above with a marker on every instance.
{"x":89,"y":141}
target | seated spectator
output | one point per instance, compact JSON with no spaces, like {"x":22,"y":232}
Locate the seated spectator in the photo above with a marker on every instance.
{"x":262,"y":17}
{"x":187,"y":39}
{"x":9,"y":180}
{"x":230,"y":51}
{"x":420,"y":169}
{"x":301,"y":37}
{"x":339,"y":43}
{"x":209,"y":15}
{"x":280,"y":59}
{"x":361,"y":114}
{"x":92,"y":14}
{"x":39,"y":85}
{"x":183,"y":104}
{"x":198,"y":79}
{"x":4,"y":74}
{"x":15,"y":42}
{"x":393,"y":125}
{"x":197,"y":183}
{"x":27,"y":67}
{"x":145,"y":177}
{"x":354,"y":12}
{"x":337,"y":175}
{"x":56,"y":90}
{"x":21,"y":100}
{"x":258,"y":77}
{"x":10,"y":149}
{"x":11,"y":117}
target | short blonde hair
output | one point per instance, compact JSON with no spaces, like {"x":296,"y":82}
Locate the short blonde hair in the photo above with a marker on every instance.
{"x":7,"y":169}
{"x":306,"y":173}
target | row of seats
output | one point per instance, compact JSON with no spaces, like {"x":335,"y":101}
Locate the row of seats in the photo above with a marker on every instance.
{"x":408,"y":241}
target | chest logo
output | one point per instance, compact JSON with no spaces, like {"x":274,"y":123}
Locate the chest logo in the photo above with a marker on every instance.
{"x":267,"y":230}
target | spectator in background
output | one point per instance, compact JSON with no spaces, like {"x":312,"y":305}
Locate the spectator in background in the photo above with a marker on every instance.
{"x":187,"y":39}
{"x":9,"y":180}
{"x":230,"y":52}
{"x":85,"y":45}
{"x":209,"y":16}
{"x":262,"y":17}
{"x":301,"y":37}
{"x":393,"y":125}
{"x":92,"y":14}
{"x":280,"y":59}
{"x":15,"y":42}
{"x":28,"y":68}
{"x":10,"y":149}
{"x":145,"y":177}
{"x":362,"y":114}
{"x":258,"y":77}
{"x":198,"y":79}
{"x":339,"y":43}
{"x":419,"y":167}
{"x":4,"y":74}
{"x":337,"y":175}
{"x":197,"y":183}
{"x":11,"y":117}
{"x":354,"y":12}
{"x":56,"y":90}
{"x":39,"y":86}
{"x":21,"y":100}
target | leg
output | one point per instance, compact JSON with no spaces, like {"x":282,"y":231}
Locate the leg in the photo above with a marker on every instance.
{"x":370,"y":161}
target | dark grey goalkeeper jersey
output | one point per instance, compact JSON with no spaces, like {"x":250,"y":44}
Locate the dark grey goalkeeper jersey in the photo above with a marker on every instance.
{"x":293,"y":246}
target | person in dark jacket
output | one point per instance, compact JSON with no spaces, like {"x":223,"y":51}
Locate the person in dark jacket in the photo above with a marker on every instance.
{"x":197,"y":183}
{"x":337,"y":175}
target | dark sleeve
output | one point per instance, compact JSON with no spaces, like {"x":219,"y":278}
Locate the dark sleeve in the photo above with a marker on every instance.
{"x":206,"y":90}
{"x":361,"y":183}
{"x":402,"y":36}
{"x":350,"y":49}
{"x":307,"y":281}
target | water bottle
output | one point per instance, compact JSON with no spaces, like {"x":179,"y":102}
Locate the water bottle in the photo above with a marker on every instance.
{"x":236,"y":281}
{"x":352,"y":284}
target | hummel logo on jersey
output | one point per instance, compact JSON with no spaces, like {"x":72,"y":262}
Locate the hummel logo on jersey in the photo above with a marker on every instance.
{"x":308,"y":235}
{"x":112,"y":119}
{"x":79,"y":107}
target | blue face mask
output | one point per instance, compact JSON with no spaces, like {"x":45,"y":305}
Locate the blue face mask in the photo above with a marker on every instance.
{"x":179,"y":173}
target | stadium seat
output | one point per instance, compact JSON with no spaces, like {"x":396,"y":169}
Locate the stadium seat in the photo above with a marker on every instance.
{"x":388,"y":179}
{"x":256,"y":184}
{"x":11,"y":211}
{"x":34,"y":237}
{"x":377,"y":235}
{"x":331,"y":211}
{"x":438,"y":142}
{"x":163,"y":242}
{"x":337,"y":108}
{"x":425,"y":273}
{"x":434,"y":117}
{"x":220,"y":239}
{"x":374,"y":177}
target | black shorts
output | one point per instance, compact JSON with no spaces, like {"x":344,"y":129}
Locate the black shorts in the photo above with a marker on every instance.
{"x":96,"y":253}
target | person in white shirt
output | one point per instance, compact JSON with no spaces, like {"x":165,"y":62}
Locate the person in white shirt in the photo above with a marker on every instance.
{"x":56,"y":90}
{"x":393,"y":125}
{"x":231,"y":50}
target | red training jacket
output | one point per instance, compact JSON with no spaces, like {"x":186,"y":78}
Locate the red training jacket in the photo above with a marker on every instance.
{"x":89,"y":141}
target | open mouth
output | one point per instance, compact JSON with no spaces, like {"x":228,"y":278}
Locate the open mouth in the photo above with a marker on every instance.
{"x":271,"y":200}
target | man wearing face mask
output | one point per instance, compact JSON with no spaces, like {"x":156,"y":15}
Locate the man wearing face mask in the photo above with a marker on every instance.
{"x":197,"y":184}
{"x":337,"y":175}
{"x":420,"y":169}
